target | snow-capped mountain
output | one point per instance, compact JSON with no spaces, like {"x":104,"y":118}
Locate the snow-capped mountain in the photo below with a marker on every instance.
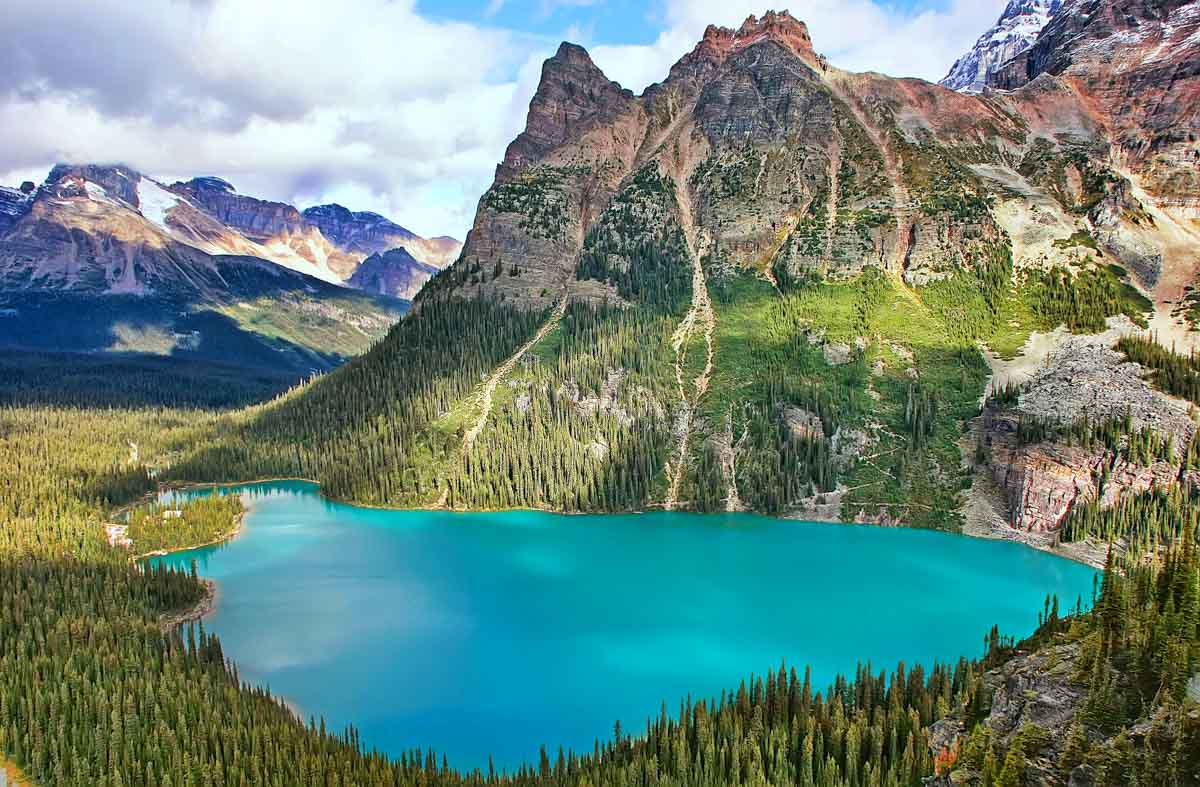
{"x":1014,"y":33}
{"x":14,"y":203}
{"x":197,"y":219}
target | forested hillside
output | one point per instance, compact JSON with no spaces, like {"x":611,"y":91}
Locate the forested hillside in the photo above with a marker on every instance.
{"x":93,"y":692}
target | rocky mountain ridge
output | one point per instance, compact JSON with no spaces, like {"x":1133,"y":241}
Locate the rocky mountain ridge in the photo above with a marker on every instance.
{"x":391,"y":272}
{"x":757,"y":158}
{"x":329,"y":241}
{"x":104,"y":259}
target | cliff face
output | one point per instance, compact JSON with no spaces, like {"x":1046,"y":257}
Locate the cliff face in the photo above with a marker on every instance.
{"x":778,"y":161}
{"x":259,"y":220}
{"x":1041,"y":480}
{"x":1013,"y":33}
{"x":360,"y":231}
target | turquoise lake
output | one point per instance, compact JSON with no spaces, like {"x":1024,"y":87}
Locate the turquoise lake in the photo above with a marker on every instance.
{"x":480,"y":634}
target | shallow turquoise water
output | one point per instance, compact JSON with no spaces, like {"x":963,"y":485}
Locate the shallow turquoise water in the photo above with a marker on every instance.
{"x":496,"y":633}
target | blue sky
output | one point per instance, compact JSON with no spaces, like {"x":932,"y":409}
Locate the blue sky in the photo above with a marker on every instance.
{"x":398,"y":106}
{"x":611,"y":21}
{"x":600,"y":21}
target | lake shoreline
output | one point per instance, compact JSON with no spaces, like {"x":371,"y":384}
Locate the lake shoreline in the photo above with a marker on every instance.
{"x":310,"y":598}
{"x":238,"y":522}
{"x":1082,"y":553}
{"x":170,"y":621}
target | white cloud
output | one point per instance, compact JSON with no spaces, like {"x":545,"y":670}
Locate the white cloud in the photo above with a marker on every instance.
{"x":285,"y":99}
{"x":370,"y":104}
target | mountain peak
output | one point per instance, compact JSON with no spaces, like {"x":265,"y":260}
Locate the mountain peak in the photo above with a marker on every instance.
{"x":212,"y":183}
{"x":573,"y":54}
{"x":778,"y":25}
{"x":781,"y":27}
{"x":572,"y":95}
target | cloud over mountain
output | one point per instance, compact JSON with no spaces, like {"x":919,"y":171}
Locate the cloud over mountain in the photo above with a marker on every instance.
{"x":378,"y":105}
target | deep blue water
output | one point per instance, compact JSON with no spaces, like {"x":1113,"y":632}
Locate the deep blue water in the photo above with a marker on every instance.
{"x":482,"y":634}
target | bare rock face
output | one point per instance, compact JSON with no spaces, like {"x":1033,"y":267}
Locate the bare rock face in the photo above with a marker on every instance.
{"x":557,"y":176}
{"x":360,"y":231}
{"x":1138,"y":64}
{"x":573,"y":97}
{"x":1035,"y":689}
{"x":259,"y":220}
{"x":1042,"y":482}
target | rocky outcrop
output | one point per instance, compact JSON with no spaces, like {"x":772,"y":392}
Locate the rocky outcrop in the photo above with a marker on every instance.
{"x":1028,"y":690}
{"x":1013,"y":33}
{"x":14,"y":203}
{"x":1083,"y":376}
{"x":394,"y":272}
{"x":1043,"y":481}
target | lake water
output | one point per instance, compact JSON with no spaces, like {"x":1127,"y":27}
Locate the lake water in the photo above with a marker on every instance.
{"x":494,"y":633}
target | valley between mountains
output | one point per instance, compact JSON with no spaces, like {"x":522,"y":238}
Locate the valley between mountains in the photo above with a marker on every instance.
{"x":764,"y":284}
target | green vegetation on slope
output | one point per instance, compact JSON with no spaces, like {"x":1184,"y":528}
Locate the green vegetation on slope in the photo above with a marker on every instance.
{"x":1082,"y":301}
{"x":92,"y":692}
{"x":126,"y":381}
{"x":368,"y":432}
{"x":1143,"y":522}
{"x":185,"y":524}
{"x":1136,"y":651}
{"x":578,"y":427}
{"x":638,"y":246}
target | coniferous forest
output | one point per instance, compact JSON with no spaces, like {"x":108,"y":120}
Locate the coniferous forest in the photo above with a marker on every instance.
{"x":134,"y":703}
{"x":93,"y":690}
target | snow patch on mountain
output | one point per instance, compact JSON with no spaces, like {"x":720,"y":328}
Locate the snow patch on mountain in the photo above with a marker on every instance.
{"x":98,"y":193}
{"x":1013,"y":33}
{"x":13,"y":202}
{"x":155,"y":202}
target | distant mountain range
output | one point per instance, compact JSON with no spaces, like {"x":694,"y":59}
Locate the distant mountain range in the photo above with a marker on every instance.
{"x":106,"y":258}
{"x":327,"y":241}
{"x":1016,"y":30}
